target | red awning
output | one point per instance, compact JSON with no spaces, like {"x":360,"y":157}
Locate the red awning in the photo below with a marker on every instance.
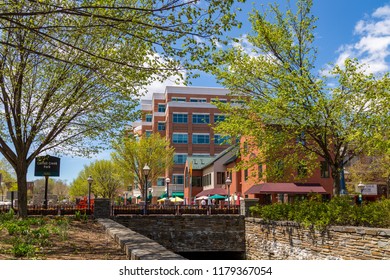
{"x":208,"y":192}
{"x":288,"y":188}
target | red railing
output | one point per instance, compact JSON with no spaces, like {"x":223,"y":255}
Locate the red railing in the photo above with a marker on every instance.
{"x":174,"y":210}
{"x":33,"y":210}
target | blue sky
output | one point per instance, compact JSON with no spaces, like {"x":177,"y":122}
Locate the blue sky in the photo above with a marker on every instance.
{"x":345,"y":28}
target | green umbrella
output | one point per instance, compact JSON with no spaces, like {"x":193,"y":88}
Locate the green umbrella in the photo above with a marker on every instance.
{"x":217,"y":196}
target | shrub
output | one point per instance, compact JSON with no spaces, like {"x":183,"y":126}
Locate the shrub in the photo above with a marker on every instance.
{"x":338,"y":211}
{"x":28,"y":235}
{"x":22,"y":249}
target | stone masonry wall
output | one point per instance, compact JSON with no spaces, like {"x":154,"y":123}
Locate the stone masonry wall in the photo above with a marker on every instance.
{"x":287,"y":240}
{"x":137,"y":246}
{"x":190,"y":233}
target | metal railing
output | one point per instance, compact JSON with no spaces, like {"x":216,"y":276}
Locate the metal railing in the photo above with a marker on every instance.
{"x":135,"y":209}
{"x":33,"y":210}
{"x":175,"y":210}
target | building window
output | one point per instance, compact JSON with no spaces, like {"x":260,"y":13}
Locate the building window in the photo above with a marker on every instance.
{"x":246,"y":149}
{"x":218,"y":139}
{"x":238,"y":102}
{"x":178,"y":99}
{"x":260,"y":171}
{"x":180,"y":118}
{"x":180,"y":138}
{"x":148,"y":133}
{"x":216,"y":100}
{"x":301,"y":139}
{"x":278,"y":169}
{"x":161,"y":126}
{"x":160,"y":182}
{"x":178,"y":179}
{"x":200,"y":138}
{"x":161,"y":108}
{"x":221,"y":178}
{"x":202,"y":100}
{"x":179,"y":158}
{"x":196,"y":181}
{"x":206,"y":180}
{"x":246,"y":176}
{"x":302,"y":170}
{"x":219,"y":118}
{"x":200,"y":118}
{"x":148,"y":117}
{"x":324,"y":169}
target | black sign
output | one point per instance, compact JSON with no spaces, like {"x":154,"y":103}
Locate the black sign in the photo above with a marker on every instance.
{"x":47,"y":166}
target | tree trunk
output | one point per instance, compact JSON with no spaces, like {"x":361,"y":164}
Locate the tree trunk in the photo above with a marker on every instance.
{"x":336,"y":172}
{"x":21,"y":175}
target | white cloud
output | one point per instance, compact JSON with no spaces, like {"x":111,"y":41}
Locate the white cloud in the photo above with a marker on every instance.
{"x":373,"y":47}
{"x":246,"y":46}
{"x":158,"y":86}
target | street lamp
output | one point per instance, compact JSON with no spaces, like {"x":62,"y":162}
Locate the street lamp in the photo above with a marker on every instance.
{"x":167,"y":180}
{"x":361,"y":186}
{"x":146,"y":170}
{"x":228,"y":182}
{"x":90,"y":180}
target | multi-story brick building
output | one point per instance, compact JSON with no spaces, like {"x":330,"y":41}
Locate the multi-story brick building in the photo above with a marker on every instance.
{"x":185,"y":116}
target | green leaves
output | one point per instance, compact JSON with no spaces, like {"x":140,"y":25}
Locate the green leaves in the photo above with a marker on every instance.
{"x":107,"y":180}
{"x":131,"y":154}
{"x":339,"y":211}
{"x":342,"y":115}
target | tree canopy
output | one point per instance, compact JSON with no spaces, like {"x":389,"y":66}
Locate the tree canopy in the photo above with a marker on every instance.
{"x":293,"y":111}
{"x":72,"y":72}
{"x":106,"y":180}
{"x":132,"y":154}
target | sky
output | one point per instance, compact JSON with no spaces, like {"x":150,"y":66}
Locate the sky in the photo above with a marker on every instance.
{"x":345,"y":28}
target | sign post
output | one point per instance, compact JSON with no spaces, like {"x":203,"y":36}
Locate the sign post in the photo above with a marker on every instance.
{"x":47,"y":166}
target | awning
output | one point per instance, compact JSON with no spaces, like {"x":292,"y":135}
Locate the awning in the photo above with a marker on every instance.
{"x":287,"y":188}
{"x":208,"y":192}
{"x":164,"y":195}
{"x":177,"y":194}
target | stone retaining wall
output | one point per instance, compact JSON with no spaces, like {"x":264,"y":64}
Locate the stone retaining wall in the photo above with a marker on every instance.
{"x":190,"y":233}
{"x":137,"y":246}
{"x":287,"y":240}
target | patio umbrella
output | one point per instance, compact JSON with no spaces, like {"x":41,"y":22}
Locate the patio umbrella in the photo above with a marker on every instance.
{"x":176,"y":199}
{"x":217,"y":196}
{"x":202,"y":197}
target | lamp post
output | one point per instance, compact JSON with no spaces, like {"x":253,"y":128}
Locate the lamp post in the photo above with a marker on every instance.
{"x":90,"y":180}
{"x":228,"y":182}
{"x":167,"y":181}
{"x":146,"y":170}
{"x":361,"y":186}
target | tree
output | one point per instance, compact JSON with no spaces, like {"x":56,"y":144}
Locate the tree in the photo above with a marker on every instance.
{"x":7,"y":177}
{"x":291,"y":110}
{"x":106,"y":180}
{"x":132,"y":154}
{"x":55,"y":187}
{"x":71,"y":72}
{"x":370,"y":169}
